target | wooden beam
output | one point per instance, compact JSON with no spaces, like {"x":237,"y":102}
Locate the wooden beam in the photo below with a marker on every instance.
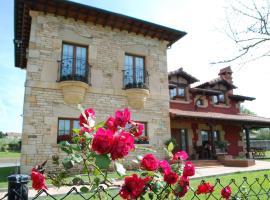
{"x":45,"y":8}
{"x":56,"y":11}
{"x":105,"y":20}
{"x":77,"y":15}
{"x":122,"y":25}
{"x":96,"y":19}
{"x":130,"y":26}
{"x":86,"y":17}
{"x":66,"y":12}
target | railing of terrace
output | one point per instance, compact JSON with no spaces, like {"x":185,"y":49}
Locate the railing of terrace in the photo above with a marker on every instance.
{"x":247,"y":189}
{"x":74,"y":69}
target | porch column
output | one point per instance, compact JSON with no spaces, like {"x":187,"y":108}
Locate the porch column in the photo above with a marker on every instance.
{"x":212,"y":141}
{"x":247,"y":142}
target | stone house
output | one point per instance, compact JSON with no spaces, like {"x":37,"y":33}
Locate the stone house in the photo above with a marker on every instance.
{"x":206,"y":117}
{"x":77,"y":54}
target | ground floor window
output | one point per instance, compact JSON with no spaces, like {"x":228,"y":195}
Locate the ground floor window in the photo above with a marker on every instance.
{"x":65,"y":129}
{"x":143,"y":139}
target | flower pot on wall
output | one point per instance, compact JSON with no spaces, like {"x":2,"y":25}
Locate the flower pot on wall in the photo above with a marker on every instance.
{"x":73,"y":91}
{"x":137,"y":97}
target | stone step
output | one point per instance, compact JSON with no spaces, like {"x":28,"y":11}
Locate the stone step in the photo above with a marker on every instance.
{"x":206,"y":163}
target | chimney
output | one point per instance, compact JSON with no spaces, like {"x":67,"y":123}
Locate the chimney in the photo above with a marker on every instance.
{"x":226,"y":74}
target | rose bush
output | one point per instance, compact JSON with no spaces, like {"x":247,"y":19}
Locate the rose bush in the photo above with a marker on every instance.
{"x":100,"y":147}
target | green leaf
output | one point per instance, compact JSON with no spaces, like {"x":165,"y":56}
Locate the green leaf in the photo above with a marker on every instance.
{"x":121,"y":171}
{"x":168,"y":153}
{"x":68,"y":163}
{"x":66,"y":147}
{"x":75,"y":147}
{"x":84,"y":189}
{"x":76,"y":131}
{"x":77,"y":180}
{"x":96,"y":172}
{"x":88,"y":136}
{"x":102,"y":161}
{"x":77,"y":158}
{"x":170,"y":147}
{"x":100,"y":125}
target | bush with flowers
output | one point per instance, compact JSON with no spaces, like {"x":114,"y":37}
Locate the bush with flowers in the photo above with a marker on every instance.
{"x":100,"y":147}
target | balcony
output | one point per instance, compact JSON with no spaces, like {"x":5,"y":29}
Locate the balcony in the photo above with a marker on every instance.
{"x":74,"y":79}
{"x":137,"y":87}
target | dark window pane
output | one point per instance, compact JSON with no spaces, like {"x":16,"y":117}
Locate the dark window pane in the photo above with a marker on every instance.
{"x":80,"y":61}
{"x":139,"y":68}
{"x":67,"y":60}
{"x":128,"y":70}
{"x":172,"y":93}
{"x":134,"y":75}
{"x":64,"y":127}
{"x":76,"y":124}
{"x":215,"y":99}
{"x":221,"y":98}
{"x":181,"y":91}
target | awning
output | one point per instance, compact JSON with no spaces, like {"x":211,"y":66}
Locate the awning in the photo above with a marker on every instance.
{"x":241,"y":119}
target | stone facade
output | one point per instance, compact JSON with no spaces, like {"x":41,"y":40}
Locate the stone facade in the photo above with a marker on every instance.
{"x":44,"y":102}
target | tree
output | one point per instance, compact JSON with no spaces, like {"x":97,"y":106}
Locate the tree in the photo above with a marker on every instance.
{"x":245,"y":110}
{"x":2,"y":134}
{"x":249,"y":27}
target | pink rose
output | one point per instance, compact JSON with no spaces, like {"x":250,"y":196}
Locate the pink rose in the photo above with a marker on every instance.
{"x":180,"y":155}
{"x":170,"y":177}
{"x":102,"y":141}
{"x":205,"y":188}
{"x":38,"y":180}
{"x":133,"y":187}
{"x":122,"y":143}
{"x":226,"y":192}
{"x":149,"y":162}
{"x":89,"y":112}
{"x":165,"y":166}
{"x":189,"y":169}
{"x":110,"y":123}
{"x":183,"y":181}
{"x":121,"y":118}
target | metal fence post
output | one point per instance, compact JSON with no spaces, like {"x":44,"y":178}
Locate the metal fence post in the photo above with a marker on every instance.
{"x":17,"y":187}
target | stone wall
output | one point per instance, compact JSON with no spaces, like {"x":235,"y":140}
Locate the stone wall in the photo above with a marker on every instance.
{"x":44,"y":104}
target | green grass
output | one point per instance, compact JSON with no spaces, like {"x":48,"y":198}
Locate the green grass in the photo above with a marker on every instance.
{"x":4,"y":173}
{"x":10,"y":155}
{"x":225,"y":180}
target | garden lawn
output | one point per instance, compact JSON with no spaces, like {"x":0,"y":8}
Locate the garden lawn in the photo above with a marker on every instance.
{"x":4,"y":173}
{"x":225,"y":180}
{"x":9,"y":155}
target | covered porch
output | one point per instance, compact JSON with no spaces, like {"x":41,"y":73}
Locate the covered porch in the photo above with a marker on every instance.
{"x":206,"y":135}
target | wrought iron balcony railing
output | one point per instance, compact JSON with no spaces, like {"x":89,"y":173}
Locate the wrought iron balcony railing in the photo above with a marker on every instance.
{"x":74,"y":69}
{"x":140,"y":80}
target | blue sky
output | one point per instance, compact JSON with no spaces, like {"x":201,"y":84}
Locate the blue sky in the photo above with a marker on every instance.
{"x":203,"y":44}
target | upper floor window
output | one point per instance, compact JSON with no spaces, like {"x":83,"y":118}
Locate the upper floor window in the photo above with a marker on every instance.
{"x":177,"y":92}
{"x":173,"y":93}
{"x":65,"y":129}
{"x":218,"y":99}
{"x":73,"y":65}
{"x":135,"y":75}
{"x":181,"y":92}
{"x":199,"y":102}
